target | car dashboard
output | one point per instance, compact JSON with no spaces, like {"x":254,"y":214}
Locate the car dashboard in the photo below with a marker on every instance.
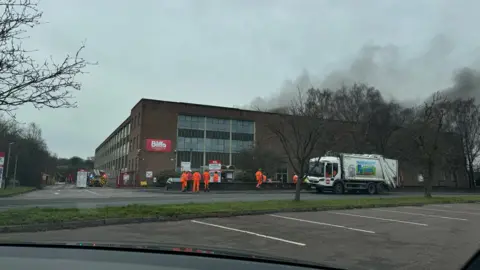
{"x":14,"y":257}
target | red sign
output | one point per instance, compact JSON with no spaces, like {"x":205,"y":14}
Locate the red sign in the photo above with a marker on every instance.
{"x":154,"y":145}
{"x":2,"y":158}
{"x":214,"y":162}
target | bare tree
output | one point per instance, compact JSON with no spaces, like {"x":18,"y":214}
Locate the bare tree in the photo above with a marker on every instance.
{"x":384,"y":121}
{"x":428,"y":126}
{"x":259,"y":156}
{"x":464,"y":120}
{"x":299,"y":131}
{"x":22,"y":79}
{"x":357,"y":104}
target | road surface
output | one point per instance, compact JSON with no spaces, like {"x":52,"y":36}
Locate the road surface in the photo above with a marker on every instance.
{"x":440,"y":237}
{"x":68,"y":196}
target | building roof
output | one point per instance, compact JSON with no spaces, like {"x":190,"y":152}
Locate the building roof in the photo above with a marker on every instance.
{"x":125,"y":122}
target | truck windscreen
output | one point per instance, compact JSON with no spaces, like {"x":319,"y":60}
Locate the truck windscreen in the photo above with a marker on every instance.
{"x":316,"y":169}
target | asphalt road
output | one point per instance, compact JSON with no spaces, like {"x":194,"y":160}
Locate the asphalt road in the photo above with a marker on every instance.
{"x":430,"y":237}
{"x":68,"y":196}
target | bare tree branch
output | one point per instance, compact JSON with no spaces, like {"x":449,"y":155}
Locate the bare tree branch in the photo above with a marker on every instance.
{"x":22,"y":79}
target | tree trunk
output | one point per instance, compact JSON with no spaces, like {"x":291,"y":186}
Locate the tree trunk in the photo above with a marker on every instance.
{"x":428,"y":181}
{"x":471,"y":176}
{"x":298,"y":186}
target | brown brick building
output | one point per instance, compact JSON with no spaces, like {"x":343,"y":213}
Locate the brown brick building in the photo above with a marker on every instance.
{"x":179,"y":132}
{"x":158,"y":135}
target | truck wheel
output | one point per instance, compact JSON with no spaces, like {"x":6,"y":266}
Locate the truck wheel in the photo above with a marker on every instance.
{"x":380,"y":188}
{"x":338,"y":188}
{"x":371,"y":188}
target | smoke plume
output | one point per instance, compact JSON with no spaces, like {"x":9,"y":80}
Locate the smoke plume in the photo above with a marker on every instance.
{"x":407,"y":78}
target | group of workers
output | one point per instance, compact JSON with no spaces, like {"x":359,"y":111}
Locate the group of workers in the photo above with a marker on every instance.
{"x":195,"y":177}
{"x":261,"y":178}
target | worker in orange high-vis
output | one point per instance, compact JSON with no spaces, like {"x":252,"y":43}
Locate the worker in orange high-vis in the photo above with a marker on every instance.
{"x":183,"y":181}
{"x":259,"y":177}
{"x":295,"y":179}
{"x":189,"y":179}
{"x":216,"y":177}
{"x":206,"y":180}
{"x":196,"y":181}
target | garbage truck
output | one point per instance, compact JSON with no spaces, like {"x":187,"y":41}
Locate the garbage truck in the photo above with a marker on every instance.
{"x":343,"y":172}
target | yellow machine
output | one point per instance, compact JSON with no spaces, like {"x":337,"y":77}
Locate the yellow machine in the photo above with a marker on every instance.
{"x":98,"y":180}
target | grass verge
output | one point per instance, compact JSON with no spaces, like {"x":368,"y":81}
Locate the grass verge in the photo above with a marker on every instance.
{"x":12,"y":191}
{"x":195,"y":210}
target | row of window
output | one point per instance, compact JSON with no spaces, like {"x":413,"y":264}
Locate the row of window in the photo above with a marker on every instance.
{"x":195,"y":133}
{"x":108,"y":147}
{"x":212,"y":145}
{"x":215,"y":124}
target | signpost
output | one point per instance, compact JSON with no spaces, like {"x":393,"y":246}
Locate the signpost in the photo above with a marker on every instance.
{"x":185,"y":166}
{"x":215,"y":166}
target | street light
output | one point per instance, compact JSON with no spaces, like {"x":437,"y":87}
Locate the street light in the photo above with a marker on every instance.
{"x":8,"y":162}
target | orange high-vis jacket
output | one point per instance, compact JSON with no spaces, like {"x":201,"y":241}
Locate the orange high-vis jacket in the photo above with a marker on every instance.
{"x":196,"y":176}
{"x":206,"y":177}
{"x":183,"y":177}
{"x":258,"y":176}
{"x":215,"y":177}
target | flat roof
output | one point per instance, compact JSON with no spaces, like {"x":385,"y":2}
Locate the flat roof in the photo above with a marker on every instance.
{"x":199,"y":105}
{"x":113,"y":132}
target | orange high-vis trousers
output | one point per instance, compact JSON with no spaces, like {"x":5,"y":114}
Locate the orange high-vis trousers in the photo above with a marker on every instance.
{"x":196,"y":185}
{"x":205,"y":184}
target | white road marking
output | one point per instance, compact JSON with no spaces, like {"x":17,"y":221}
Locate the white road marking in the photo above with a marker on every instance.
{"x":384,"y":219}
{"x":92,"y":192}
{"x":442,"y":205}
{"x":322,"y":223}
{"x":56,"y":193}
{"x":461,"y":206}
{"x":251,"y":233}
{"x":418,"y":214}
{"x":442,"y":210}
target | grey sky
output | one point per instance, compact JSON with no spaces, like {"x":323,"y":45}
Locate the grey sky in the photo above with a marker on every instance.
{"x":230,"y":52}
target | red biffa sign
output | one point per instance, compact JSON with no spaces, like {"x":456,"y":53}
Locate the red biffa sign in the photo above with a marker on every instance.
{"x":155,"y":145}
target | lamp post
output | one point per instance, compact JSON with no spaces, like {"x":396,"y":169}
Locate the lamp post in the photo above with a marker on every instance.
{"x":15,"y":171}
{"x":8,"y":163}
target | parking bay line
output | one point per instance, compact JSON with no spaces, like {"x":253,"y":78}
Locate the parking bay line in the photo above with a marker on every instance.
{"x":418,"y":214}
{"x":442,"y":210}
{"x":322,"y":223}
{"x":451,"y":206}
{"x":92,"y":192}
{"x":248,"y":232}
{"x":384,"y":219}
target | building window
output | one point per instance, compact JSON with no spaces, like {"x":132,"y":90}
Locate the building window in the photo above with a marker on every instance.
{"x":216,"y":124}
{"x":195,"y":144}
{"x":191,"y":133}
{"x":191,"y":122}
{"x":242,"y":136}
{"x":217,"y":135}
{"x":217,"y":145}
{"x":239,"y":146}
{"x":242,"y":126}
